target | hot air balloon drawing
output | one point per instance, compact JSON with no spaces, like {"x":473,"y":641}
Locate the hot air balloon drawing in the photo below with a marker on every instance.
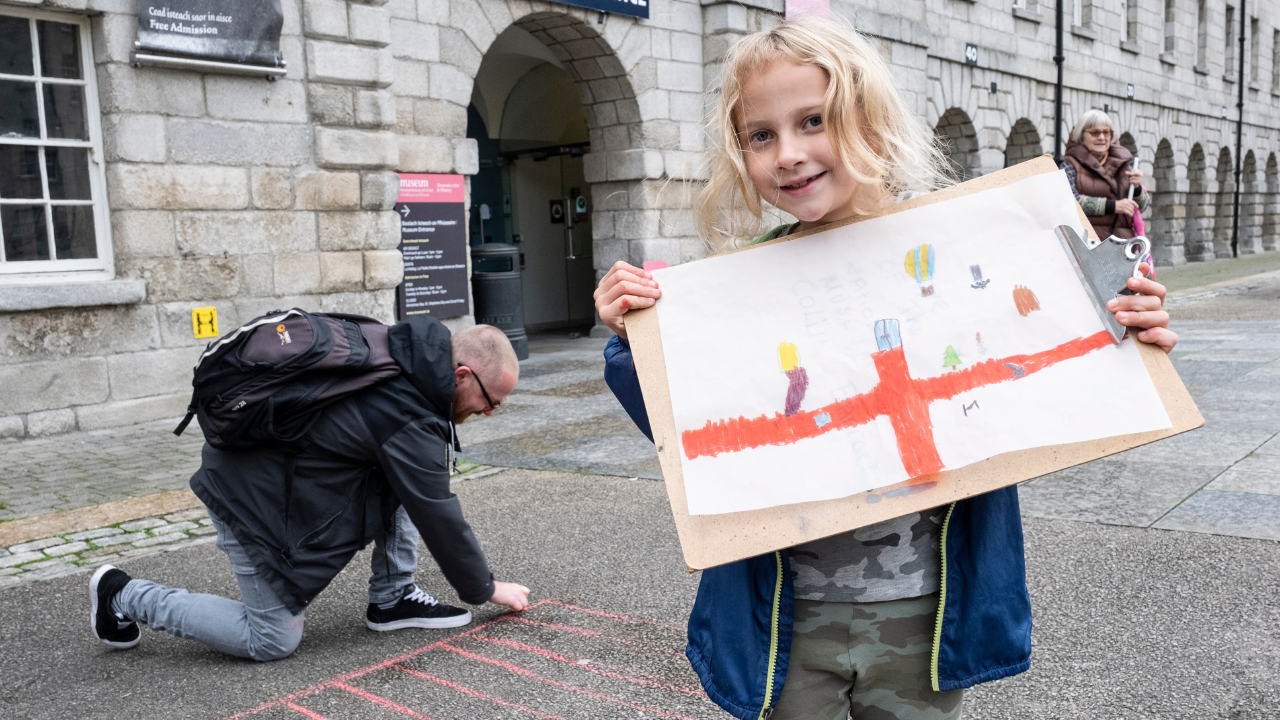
{"x":919,"y":265}
{"x":797,"y":378}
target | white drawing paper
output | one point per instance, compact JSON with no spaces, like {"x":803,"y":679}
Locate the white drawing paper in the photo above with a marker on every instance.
{"x":982,"y":297}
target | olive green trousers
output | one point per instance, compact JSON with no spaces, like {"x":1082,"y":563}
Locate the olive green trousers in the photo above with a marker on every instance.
{"x":867,"y":661}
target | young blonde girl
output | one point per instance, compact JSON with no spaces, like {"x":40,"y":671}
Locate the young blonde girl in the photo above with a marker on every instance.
{"x":857,"y":624}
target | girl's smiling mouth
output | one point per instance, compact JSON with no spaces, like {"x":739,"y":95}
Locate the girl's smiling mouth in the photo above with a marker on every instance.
{"x":800,"y":186}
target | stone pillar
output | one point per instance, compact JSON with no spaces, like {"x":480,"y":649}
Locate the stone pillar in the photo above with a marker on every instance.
{"x":352,"y":185}
{"x":1224,"y":205}
{"x":1271,"y":208}
{"x":1166,"y":228}
{"x":1200,"y":218}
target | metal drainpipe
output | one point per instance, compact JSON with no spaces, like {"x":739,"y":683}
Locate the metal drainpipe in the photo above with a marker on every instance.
{"x":1057,"y":90}
{"x":1235,"y":212}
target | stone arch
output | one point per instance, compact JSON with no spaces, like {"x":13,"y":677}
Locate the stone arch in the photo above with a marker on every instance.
{"x":1200,"y":217}
{"x":613,"y":114}
{"x":1225,"y":204}
{"x":1023,"y":144}
{"x":1251,"y":209}
{"x":1165,"y":227}
{"x":959,"y":140}
{"x":1128,"y":143}
{"x":1271,"y":214}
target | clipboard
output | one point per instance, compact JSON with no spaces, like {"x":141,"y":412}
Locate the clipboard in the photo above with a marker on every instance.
{"x":711,"y":540}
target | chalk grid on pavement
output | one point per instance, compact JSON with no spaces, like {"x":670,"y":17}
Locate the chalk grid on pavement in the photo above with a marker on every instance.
{"x":552,"y":658}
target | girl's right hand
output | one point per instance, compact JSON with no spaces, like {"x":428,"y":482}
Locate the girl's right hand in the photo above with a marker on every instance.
{"x":624,"y":288}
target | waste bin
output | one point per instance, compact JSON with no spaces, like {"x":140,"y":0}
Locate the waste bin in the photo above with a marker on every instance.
{"x":495,"y":286}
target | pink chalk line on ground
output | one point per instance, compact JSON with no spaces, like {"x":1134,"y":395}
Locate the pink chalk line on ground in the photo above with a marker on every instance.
{"x":341,"y":682}
{"x":562,"y":659}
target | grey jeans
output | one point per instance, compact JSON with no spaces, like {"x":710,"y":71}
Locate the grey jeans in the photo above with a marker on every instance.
{"x":259,"y":626}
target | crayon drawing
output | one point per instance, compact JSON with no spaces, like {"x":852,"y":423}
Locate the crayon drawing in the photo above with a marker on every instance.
{"x":878,"y":390}
{"x":919,"y":265}
{"x":1025,"y":300}
{"x":797,"y":378}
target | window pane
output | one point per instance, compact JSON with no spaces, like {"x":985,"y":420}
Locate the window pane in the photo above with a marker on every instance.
{"x":20,"y":172}
{"x":73,"y":232}
{"x":59,"y":49}
{"x":15,"y":46}
{"x":24,"y":233}
{"x":68,"y":170}
{"x":19,"y":116}
{"x":64,"y":112}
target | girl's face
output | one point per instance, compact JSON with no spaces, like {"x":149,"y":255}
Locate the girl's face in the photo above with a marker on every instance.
{"x":788,"y":154}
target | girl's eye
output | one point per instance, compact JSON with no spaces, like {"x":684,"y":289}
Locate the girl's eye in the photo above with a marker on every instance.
{"x":759,"y":136}
{"x":813,"y":121}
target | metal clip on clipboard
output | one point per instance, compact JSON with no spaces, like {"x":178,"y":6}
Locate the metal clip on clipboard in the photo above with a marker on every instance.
{"x":1104,"y":268}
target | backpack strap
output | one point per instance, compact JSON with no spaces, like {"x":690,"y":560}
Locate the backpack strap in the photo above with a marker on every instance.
{"x":191,"y":413}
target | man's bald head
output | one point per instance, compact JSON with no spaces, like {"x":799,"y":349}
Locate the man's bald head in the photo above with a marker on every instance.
{"x":485,"y":349}
{"x":482,"y":352}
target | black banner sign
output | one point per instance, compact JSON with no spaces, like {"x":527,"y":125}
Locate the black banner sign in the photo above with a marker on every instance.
{"x":236,"y":31}
{"x":433,"y":240}
{"x":634,"y":8}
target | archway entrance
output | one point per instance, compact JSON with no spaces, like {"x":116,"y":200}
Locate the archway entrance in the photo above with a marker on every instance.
{"x":960,"y":143}
{"x":1023,"y":144}
{"x":527,"y":117}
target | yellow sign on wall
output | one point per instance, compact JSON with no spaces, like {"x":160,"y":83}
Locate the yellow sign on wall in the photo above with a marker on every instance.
{"x":204,"y":322}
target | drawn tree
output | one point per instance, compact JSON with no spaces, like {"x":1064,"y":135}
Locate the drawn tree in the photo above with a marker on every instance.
{"x":951,"y":359}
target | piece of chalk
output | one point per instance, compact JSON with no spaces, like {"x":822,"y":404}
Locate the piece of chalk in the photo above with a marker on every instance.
{"x":654,"y":264}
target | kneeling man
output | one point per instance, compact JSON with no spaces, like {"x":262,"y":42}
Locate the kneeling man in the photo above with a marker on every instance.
{"x":374,"y":466}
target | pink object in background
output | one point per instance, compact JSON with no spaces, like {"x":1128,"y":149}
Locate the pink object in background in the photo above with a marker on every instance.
{"x":416,"y":188}
{"x":654,"y":264}
{"x":820,"y":8}
{"x":1139,"y":227}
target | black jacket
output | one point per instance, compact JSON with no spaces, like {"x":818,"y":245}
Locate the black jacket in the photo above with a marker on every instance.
{"x":301,"y":512}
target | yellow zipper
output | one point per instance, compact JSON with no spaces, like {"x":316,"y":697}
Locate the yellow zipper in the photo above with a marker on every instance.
{"x":773,"y":640}
{"x":942,"y":600}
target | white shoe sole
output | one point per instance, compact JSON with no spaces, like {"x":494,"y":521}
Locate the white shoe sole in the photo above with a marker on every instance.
{"x":93,"y":610}
{"x":430,"y":623}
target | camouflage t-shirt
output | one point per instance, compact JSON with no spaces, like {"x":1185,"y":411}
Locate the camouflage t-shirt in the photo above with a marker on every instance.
{"x":891,"y":560}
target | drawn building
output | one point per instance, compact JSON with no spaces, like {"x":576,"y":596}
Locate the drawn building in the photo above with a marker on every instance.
{"x":130,"y":196}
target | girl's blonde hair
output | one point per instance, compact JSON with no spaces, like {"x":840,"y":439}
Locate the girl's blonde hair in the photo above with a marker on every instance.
{"x":1091,"y":119}
{"x":882,"y":143}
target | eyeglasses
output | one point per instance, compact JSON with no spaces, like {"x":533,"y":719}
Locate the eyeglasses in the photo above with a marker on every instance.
{"x":1098,"y":132}
{"x":492,"y":405}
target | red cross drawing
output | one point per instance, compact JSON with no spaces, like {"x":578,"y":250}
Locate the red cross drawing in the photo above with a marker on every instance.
{"x":898,"y":396}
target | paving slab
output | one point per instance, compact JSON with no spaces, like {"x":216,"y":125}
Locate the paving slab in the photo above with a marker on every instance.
{"x":1217,"y":512}
{"x":1257,"y":473}
{"x":1115,"y":491}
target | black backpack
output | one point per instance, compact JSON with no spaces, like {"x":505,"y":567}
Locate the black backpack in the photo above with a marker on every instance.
{"x":267,"y":381}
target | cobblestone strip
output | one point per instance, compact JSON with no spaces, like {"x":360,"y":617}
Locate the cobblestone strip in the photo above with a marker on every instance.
{"x":79,"y":551}
{"x":82,"y":551}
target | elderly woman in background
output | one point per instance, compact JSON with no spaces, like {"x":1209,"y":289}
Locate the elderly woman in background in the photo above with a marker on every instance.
{"x":1099,"y":170}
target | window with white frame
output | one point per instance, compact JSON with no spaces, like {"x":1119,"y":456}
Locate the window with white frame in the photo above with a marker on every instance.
{"x":53,"y":217}
{"x":1077,"y":13}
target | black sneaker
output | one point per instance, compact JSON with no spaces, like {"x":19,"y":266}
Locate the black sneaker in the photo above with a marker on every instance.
{"x":110,"y":627}
{"x":416,"y":609}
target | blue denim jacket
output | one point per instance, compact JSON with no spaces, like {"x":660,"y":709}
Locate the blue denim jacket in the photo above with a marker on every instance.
{"x":740,"y":627}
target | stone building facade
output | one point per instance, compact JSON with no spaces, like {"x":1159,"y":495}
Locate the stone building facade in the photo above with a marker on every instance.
{"x":248,"y":194}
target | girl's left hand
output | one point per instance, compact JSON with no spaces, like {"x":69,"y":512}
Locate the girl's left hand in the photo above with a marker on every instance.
{"x":1145,"y":311}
